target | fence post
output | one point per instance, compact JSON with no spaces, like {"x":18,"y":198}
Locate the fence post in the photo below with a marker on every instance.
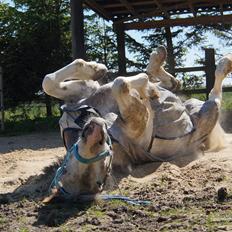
{"x":210,"y":68}
{"x":1,"y":102}
{"x":120,"y":33}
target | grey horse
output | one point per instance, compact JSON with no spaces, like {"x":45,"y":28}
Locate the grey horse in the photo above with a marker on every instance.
{"x":146,"y":120}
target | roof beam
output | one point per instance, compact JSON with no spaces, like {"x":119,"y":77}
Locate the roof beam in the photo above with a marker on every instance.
{"x":98,"y":8}
{"x":221,"y":8}
{"x":159,"y":6}
{"x":179,"y":6}
{"x":203,"y":20}
{"x":190,"y":3}
{"x":129,"y":7}
{"x":113,"y":5}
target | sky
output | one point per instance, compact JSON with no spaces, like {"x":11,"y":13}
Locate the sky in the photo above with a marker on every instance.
{"x":194,"y":52}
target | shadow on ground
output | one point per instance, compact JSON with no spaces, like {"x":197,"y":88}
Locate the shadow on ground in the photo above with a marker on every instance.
{"x":34,"y":190}
{"x":31,"y":141}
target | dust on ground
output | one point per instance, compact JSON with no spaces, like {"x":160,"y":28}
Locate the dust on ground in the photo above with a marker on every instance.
{"x":197,"y":197}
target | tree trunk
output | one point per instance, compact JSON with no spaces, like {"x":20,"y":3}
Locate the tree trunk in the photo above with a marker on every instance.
{"x":170,"y":50}
{"x":48,"y":106}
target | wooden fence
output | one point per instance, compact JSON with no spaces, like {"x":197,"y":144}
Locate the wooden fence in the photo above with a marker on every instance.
{"x":209,"y":69}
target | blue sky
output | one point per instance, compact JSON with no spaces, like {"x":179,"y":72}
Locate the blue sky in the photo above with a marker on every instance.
{"x":194,"y":53}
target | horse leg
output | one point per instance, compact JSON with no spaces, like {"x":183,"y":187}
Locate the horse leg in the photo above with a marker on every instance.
{"x":223,"y":68}
{"x":73,"y":78}
{"x":156,"y":71}
{"x":141,"y":83}
{"x":216,"y":139}
{"x":136,"y":116}
{"x":208,"y":127}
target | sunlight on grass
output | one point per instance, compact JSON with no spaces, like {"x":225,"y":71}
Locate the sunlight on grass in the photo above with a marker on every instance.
{"x":24,"y":229}
{"x":29,"y":118}
{"x":219,"y":218}
{"x":29,"y":112}
{"x":226,"y":100}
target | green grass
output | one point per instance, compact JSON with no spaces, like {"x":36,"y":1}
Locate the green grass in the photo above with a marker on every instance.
{"x":64,"y":228}
{"x":29,"y":112}
{"x":29,"y":118}
{"x":226,"y":99}
{"x":24,"y":229}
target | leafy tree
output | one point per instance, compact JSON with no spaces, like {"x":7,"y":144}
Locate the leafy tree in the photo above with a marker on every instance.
{"x":100,"y":40}
{"x":35,"y":41}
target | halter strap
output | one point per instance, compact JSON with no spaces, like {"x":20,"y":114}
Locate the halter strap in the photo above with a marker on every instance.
{"x":83,"y":160}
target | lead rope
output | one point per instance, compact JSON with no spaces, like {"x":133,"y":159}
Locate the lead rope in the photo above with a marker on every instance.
{"x":109,"y":197}
{"x":59,"y":173}
{"x":105,"y":197}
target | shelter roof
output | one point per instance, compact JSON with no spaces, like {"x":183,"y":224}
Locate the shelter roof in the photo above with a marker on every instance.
{"x":141,"y":10}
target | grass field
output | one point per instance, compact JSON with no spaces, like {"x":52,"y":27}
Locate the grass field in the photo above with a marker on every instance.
{"x":226,"y":100}
{"x":28,"y":118}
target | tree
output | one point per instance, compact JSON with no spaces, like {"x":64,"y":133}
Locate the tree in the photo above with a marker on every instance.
{"x":100,"y":41}
{"x":35,"y":41}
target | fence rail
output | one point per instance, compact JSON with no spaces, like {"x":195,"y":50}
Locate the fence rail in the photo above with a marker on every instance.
{"x":190,"y":69}
{"x":209,"y":69}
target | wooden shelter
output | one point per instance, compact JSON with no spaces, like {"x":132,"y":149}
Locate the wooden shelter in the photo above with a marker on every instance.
{"x":147,"y":14}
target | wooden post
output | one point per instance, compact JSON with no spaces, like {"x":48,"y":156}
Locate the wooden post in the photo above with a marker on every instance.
{"x":170,"y":50}
{"x":210,"y":68}
{"x":77,"y":26}
{"x":120,"y":32}
{"x":1,"y":102}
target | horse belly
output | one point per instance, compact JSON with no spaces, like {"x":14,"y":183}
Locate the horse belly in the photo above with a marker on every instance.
{"x":171,"y":148}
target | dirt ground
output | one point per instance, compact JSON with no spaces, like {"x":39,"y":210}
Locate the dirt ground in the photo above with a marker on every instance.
{"x":196,"y":197}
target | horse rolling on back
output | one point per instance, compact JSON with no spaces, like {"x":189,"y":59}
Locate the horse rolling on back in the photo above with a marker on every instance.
{"x":147,"y":120}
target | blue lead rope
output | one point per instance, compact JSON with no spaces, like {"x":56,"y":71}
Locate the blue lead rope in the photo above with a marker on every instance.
{"x":60,"y":171}
{"x":123,"y":198}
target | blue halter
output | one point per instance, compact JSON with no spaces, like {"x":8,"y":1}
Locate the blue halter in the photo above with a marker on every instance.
{"x":74,"y":151}
{"x":90,"y":160}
